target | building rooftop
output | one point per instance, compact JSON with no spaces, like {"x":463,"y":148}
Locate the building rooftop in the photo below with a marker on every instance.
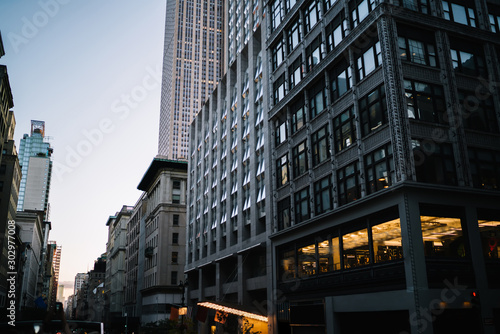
{"x":156,"y":165}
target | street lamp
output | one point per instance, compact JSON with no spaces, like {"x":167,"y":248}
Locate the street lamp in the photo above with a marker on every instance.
{"x":183,"y":309}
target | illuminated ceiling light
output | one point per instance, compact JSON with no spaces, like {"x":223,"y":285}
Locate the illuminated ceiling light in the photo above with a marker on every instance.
{"x":233,"y":311}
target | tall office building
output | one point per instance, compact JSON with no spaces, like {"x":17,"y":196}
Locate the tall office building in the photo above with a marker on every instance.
{"x":192,"y":61}
{"x":385,"y":166}
{"x":35,"y":158}
{"x":228,"y":248}
{"x":80,"y":278}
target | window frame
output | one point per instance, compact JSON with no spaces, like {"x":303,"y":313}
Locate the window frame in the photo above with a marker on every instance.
{"x":318,"y":148}
{"x":299,"y":159}
{"x":338,"y":126}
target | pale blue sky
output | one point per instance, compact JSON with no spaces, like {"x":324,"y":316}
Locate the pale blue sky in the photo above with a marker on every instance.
{"x":91,"y":70}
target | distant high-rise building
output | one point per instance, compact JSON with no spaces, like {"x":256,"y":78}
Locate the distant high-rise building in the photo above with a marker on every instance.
{"x":60,"y":293}
{"x":35,"y":158}
{"x":192,"y":61}
{"x":80,"y":278}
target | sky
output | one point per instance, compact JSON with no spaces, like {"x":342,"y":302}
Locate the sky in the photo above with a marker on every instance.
{"x":92,"y":71}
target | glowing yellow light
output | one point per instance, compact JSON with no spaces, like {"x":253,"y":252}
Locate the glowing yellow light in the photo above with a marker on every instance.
{"x":233,"y":311}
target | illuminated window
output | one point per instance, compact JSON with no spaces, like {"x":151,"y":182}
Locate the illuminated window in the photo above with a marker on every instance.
{"x":489,"y":228}
{"x":306,"y":258}
{"x":387,"y":241}
{"x":356,"y":251}
{"x":443,"y":237}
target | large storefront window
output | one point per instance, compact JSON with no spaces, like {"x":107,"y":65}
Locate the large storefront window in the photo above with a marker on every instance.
{"x":355,"y":248}
{"x":387,"y":241}
{"x":306,"y":257}
{"x":443,"y":237}
{"x":490,"y":237}
{"x":324,"y":256}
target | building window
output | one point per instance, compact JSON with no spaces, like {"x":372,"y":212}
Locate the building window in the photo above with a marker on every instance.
{"x":302,"y":205}
{"x":276,"y":13}
{"x":369,"y":61}
{"x":421,"y":6}
{"x":278,"y":54}
{"x":459,"y":14}
{"x":425,"y":102}
{"x":320,"y":145}
{"x":317,"y":98}
{"x":312,"y":15}
{"x":386,"y":239}
{"x":287,"y":261}
{"x":279,"y":89}
{"x":373,"y":110}
{"x":489,"y":229}
{"x":298,"y":115}
{"x":306,"y":257}
{"x":289,"y":4}
{"x":468,"y":58}
{"x":335,"y":31}
{"x":173,"y":278}
{"x":485,"y":168}
{"x":434,"y":162}
{"x":379,"y":166}
{"x":443,"y":237}
{"x":294,"y":37}
{"x":348,"y":183}
{"x":344,"y":128}
{"x":360,"y":10}
{"x":176,"y":191}
{"x":281,"y":131}
{"x":478,"y":113}
{"x":282,"y":171}
{"x":295,"y":72}
{"x":175,"y":238}
{"x":323,"y":195}
{"x":494,"y":21}
{"x":341,"y":80}
{"x":284,"y":214}
{"x":175,"y":220}
{"x":313,"y":53}
{"x":355,"y":249}
{"x":175,"y":256}
{"x":299,"y":159}
{"x":415,"y":47}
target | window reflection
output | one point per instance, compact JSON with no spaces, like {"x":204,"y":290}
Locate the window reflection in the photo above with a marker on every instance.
{"x":490,"y":238}
{"x":288,"y":265}
{"x":387,"y":241}
{"x":355,"y":249}
{"x":307,"y":260}
{"x":442,"y":237}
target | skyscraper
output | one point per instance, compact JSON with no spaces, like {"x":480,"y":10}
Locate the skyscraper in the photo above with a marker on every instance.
{"x":192,"y":61}
{"x":35,"y":158}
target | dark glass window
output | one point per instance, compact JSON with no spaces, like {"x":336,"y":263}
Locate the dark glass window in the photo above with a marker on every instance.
{"x":312,"y":15}
{"x":417,"y":5}
{"x":417,"y":46}
{"x":281,"y":130}
{"x":279,"y":89}
{"x":467,"y":58}
{"x":320,"y":145}
{"x":373,"y":110}
{"x":282,"y":170}
{"x":425,"y":102}
{"x":176,"y":191}
{"x":175,"y":238}
{"x":317,"y":98}
{"x":175,"y":220}
{"x":341,"y":80}
{"x":369,"y":60}
{"x":298,"y":115}
{"x":278,"y":54}
{"x":360,"y":10}
{"x":434,"y":163}
{"x":379,"y":166}
{"x":478,"y":113}
{"x":287,"y":262}
{"x":348,"y":183}
{"x":284,"y":214}
{"x":485,"y":168}
{"x":173,"y":277}
{"x":335,"y":31}
{"x":460,"y":14}
{"x":323,"y":195}
{"x":299,"y":159}
{"x":313,"y":53}
{"x":294,"y":37}
{"x":295,"y":72}
{"x":344,"y":127}
{"x":302,"y":205}
{"x":175,"y":257}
